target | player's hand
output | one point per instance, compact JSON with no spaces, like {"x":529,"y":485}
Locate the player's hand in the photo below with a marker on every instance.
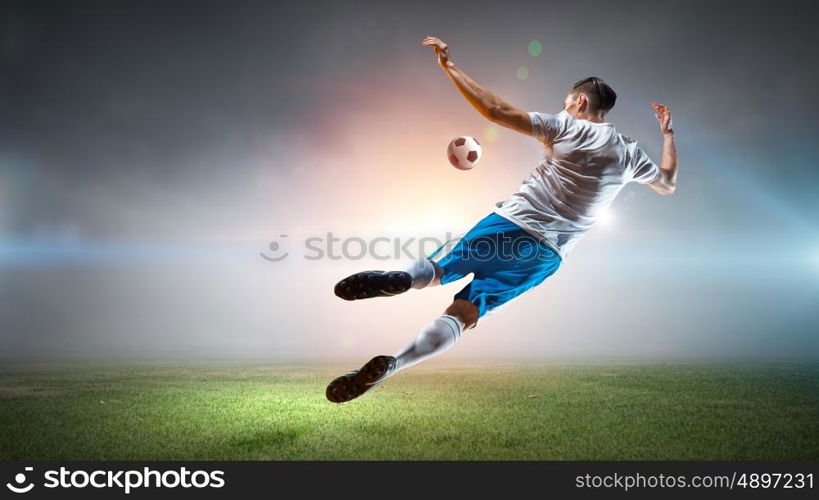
{"x":663,"y":116}
{"x":441,"y":50}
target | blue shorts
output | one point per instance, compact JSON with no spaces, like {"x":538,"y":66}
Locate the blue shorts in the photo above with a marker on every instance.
{"x":504,"y":258}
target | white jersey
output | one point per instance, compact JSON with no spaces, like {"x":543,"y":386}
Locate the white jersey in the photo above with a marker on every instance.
{"x":584,"y":167}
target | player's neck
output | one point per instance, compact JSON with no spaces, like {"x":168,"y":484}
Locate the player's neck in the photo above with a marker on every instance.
{"x":593,"y":118}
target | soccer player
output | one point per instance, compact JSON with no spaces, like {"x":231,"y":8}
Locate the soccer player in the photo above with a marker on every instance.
{"x":586,"y":163}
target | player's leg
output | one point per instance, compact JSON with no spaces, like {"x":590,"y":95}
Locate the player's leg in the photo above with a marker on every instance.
{"x":434,"y":339}
{"x":423,"y":273}
{"x":509,"y":263}
{"x":439,"y":335}
{"x":505,"y":260}
{"x":369,"y":284}
{"x":466,"y":312}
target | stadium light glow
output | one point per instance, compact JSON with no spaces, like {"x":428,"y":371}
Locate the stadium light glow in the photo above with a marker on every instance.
{"x":606,"y":218}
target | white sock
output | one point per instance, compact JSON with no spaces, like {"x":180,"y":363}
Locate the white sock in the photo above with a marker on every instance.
{"x":422,"y":272}
{"x":434,"y":339}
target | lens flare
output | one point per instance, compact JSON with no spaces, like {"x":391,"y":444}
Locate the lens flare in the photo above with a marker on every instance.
{"x":605,"y":218}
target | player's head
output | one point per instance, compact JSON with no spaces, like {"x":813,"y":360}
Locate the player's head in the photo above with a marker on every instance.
{"x":590,"y":97}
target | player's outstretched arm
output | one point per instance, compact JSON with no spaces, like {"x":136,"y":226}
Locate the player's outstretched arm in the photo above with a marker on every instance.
{"x":489,"y":105}
{"x":666,"y":183}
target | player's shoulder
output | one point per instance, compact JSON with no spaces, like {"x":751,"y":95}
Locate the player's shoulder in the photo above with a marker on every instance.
{"x":562,"y":115}
{"x":552,"y":127}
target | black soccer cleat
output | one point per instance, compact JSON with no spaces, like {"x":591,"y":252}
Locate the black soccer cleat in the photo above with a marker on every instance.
{"x":354,"y":384}
{"x":369,"y":284}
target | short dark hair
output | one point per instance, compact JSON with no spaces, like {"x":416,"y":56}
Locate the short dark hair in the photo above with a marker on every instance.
{"x":601,"y":96}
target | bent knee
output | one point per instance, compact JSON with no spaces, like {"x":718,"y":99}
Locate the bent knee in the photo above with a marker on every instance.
{"x":465,"y":311}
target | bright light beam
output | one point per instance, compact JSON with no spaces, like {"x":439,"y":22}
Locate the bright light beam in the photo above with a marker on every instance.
{"x":606,"y":218}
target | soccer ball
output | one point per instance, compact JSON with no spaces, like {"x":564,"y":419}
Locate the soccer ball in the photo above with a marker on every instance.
{"x":464,"y":152}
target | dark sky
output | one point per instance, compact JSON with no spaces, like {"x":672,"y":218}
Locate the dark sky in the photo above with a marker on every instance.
{"x":157,"y":121}
{"x":120,"y":95}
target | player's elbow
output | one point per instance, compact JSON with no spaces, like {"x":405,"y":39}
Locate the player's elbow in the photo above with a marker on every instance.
{"x":665,"y":184}
{"x":667,"y":189}
{"x":663,"y":188}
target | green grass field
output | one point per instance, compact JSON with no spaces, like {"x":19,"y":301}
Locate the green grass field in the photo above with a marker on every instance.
{"x":447,"y":410}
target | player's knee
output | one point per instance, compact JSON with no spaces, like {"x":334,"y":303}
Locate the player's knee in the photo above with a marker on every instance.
{"x":465,"y":311}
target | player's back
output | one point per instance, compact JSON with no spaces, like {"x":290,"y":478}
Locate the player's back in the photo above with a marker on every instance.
{"x":585,"y":165}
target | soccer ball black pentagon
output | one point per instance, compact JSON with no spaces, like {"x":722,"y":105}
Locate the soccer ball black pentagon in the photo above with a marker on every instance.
{"x":464,"y":152}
